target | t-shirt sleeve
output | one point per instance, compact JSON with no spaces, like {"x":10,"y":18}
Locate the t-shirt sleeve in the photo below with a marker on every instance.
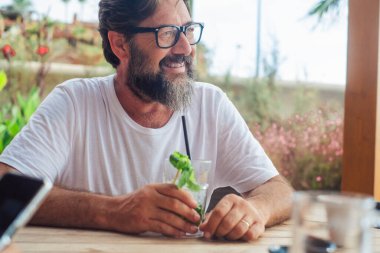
{"x":42,"y":147}
{"x":243,"y":162}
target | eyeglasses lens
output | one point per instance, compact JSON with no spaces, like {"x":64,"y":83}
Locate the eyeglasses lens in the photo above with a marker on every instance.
{"x":168,"y":36}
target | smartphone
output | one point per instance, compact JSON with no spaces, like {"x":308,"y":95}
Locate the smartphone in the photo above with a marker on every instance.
{"x":20,"y":196}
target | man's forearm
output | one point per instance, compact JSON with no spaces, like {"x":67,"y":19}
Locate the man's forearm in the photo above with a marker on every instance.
{"x":67,"y":208}
{"x":161,"y":208}
{"x":5,"y":168}
{"x":273,"y":199}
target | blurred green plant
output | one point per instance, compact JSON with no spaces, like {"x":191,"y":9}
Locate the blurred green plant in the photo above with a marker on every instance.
{"x":14,"y":116}
{"x":327,"y":10}
{"x":260,"y":102}
{"x":3,"y":79}
{"x":323,"y":7}
{"x":203,"y":61}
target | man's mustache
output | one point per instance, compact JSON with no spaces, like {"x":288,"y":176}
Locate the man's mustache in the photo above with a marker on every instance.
{"x":176,"y":59}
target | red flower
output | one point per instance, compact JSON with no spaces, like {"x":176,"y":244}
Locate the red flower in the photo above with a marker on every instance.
{"x":42,"y":50}
{"x":8,"y":51}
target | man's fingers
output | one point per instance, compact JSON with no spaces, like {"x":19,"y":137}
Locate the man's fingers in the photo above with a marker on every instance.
{"x":163,"y":228}
{"x":175,"y":221}
{"x":178,"y":207}
{"x":172,"y":191}
{"x":216,"y":217}
{"x":229,"y":222}
{"x":254,"y":232}
{"x":240,"y":229}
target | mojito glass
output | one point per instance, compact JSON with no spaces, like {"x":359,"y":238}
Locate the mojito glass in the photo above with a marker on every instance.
{"x":201,"y":170}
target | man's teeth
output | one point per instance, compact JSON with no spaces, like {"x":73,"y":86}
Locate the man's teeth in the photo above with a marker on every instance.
{"x":175,"y":65}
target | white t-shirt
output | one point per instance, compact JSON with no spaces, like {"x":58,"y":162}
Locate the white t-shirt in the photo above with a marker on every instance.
{"x":81,"y":138}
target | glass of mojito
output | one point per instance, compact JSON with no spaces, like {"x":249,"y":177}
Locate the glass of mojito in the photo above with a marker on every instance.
{"x":192,"y":179}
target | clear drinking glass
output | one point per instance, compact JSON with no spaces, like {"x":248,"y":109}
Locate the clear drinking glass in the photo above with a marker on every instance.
{"x":201,"y":170}
{"x":326,"y":222}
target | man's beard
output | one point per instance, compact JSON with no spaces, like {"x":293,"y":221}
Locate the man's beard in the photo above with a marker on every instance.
{"x":174,"y":90}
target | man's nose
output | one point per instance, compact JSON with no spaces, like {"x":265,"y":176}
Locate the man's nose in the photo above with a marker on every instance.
{"x":182,"y":46}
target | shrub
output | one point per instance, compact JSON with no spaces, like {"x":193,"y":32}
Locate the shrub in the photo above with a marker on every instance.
{"x":14,"y":116}
{"x":307,"y":149}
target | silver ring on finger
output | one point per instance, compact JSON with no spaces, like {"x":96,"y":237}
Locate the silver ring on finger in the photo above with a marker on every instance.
{"x":245,"y":222}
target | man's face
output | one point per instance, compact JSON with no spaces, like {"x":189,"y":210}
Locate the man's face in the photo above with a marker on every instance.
{"x":172,"y":90}
{"x":162,"y":75}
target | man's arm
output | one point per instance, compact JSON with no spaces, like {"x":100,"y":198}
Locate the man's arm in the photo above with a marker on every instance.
{"x":245,"y":218}
{"x":5,"y":168}
{"x":274,"y":198}
{"x":157,"y":208}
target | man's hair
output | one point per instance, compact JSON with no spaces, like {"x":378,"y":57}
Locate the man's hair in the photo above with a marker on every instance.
{"x":120,"y":16}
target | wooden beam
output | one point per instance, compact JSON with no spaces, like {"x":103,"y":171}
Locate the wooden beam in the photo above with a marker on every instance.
{"x":361,"y":158}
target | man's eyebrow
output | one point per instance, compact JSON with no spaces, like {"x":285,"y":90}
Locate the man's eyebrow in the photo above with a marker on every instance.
{"x":188,"y":23}
{"x":185,"y":24}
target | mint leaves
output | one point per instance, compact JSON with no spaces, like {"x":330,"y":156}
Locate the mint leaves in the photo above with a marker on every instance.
{"x":187,"y":178}
{"x":183,"y":164}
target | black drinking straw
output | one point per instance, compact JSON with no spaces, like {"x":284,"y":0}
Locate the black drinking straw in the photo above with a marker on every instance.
{"x":185,"y":135}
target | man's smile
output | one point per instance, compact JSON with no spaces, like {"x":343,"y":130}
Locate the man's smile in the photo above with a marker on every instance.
{"x":174,"y":64}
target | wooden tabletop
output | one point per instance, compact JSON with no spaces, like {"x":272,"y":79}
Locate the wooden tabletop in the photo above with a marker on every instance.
{"x":55,"y":240}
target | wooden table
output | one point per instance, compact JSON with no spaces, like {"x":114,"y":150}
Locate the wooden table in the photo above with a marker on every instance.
{"x":54,"y":240}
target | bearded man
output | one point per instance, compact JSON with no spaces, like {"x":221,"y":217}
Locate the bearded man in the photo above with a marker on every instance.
{"x":103,"y":141}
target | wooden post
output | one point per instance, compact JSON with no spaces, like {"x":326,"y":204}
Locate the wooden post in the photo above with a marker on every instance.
{"x":361,"y":158}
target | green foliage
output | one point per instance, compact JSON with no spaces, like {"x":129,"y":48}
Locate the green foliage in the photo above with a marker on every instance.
{"x":259,"y":103}
{"x":201,"y":211}
{"x":78,"y":31}
{"x":305,"y":100}
{"x":183,"y":165}
{"x":256,"y":99}
{"x":14,"y":116}
{"x":3,"y":79}
{"x":323,"y":7}
{"x":327,"y":10}
{"x":203,"y":55}
{"x":260,"y":97}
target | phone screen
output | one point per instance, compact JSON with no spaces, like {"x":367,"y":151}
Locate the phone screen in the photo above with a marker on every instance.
{"x":16,"y":193}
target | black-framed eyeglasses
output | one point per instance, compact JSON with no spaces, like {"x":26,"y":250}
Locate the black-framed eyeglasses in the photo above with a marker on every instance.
{"x":168,"y":35}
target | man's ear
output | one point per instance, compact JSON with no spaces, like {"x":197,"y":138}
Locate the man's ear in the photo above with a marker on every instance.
{"x":118,"y":45}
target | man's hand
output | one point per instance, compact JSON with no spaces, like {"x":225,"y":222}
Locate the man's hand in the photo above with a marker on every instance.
{"x":234,"y":218}
{"x":160,"y":208}
{"x":245,"y":218}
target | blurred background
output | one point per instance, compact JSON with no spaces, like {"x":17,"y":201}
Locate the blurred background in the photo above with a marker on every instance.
{"x":282,"y":63}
